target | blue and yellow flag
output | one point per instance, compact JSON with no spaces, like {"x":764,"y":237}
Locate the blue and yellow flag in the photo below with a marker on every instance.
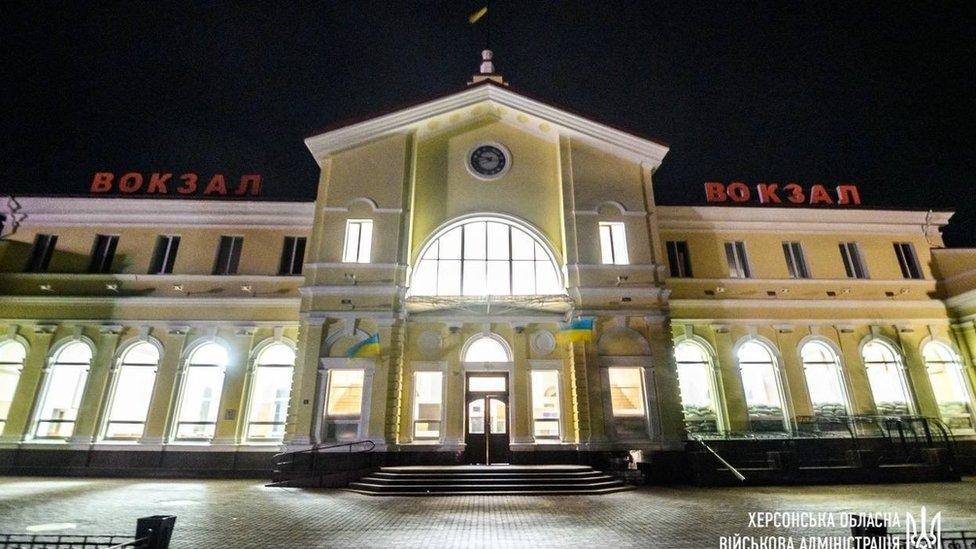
{"x":474,"y":17}
{"x":365,"y":348}
{"x":578,"y":330}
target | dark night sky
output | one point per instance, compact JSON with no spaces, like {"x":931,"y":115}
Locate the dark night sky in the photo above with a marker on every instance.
{"x":812,"y":92}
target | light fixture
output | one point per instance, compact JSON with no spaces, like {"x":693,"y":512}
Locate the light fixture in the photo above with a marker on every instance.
{"x":45,"y":288}
{"x":720,"y":290}
{"x":177,"y":287}
{"x":784,"y":290}
{"x":246,"y":288}
{"x":112,"y":287}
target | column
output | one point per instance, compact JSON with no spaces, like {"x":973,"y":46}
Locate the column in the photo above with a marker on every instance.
{"x":735,"y":398}
{"x":304,"y":423}
{"x":19,"y":416}
{"x":96,"y":389}
{"x":230,"y":414}
{"x":168,"y":378}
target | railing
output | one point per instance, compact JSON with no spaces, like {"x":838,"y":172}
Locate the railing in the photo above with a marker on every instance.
{"x":151,"y":533}
{"x":721,"y":460}
{"x":307,"y":460}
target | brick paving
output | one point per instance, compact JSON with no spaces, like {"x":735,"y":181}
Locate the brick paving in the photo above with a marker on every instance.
{"x":244,"y":513}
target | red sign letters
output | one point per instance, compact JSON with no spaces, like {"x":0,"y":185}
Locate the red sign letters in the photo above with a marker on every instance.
{"x":168,"y":183}
{"x":790,"y":193}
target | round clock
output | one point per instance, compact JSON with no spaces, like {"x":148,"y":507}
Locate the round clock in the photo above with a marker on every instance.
{"x":489,"y":160}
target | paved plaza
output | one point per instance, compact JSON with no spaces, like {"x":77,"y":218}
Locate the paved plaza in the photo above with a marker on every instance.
{"x":244,"y":513}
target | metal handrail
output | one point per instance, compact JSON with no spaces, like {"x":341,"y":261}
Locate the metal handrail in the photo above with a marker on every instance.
{"x":315,"y":448}
{"x":728,"y":465}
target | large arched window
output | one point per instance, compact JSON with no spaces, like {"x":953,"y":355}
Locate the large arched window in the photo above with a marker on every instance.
{"x":63,"y":389}
{"x":888,"y":385}
{"x":949,"y":385}
{"x":486,"y":256}
{"x":760,"y":380}
{"x":825,"y":383}
{"x":270,"y":390}
{"x":12,"y":355}
{"x":203,"y":381}
{"x":696,"y":383}
{"x":132,"y":393}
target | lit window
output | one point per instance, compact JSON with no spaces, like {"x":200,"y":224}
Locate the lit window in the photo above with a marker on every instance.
{"x":485,"y":256}
{"x":735,"y":255}
{"x":344,"y":404}
{"x":200,"y":395}
{"x":824,"y":382}
{"x":613,"y":244}
{"x":103,"y":253}
{"x":762,"y":387}
{"x":949,"y":385}
{"x":292,"y":256}
{"x":486,"y":349}
{"x":679,"y":262}
{"x":695,"y":382}
{"x":853,"y":262}
{"x":908,"y":260}
{"x":134,"y":382}
{"x":41,"y":252}
{"x":545,"y":403}
{"x":12,"y":355}
{"x":164,"y":255}
{"x":796,"y":263}
{"x":359,"y":241}
{"x":228,"y":255}
{"x":487,"y":384}
{"x":63,"y":391}
{"x":887,"y":379}
{"x":626,"y":392}
{"x":270,"y":391}
{"x":427,"y":404}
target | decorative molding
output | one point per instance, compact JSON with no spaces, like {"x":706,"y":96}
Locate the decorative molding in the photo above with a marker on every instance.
{"x":250,"y":302}
{"x":799,"y":220}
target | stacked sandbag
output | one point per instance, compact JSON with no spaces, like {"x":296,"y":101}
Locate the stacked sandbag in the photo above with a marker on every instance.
{"x":700,"y":419}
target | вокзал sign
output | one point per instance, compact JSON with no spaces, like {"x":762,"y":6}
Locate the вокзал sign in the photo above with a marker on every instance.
{"x":844,"y":194}
{"x":168,"y":183}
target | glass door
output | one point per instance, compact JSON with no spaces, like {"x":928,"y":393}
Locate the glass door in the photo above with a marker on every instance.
{"x":486,"y":419}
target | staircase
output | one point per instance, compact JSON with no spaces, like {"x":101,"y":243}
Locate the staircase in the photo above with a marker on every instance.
{"x":487,"y":480}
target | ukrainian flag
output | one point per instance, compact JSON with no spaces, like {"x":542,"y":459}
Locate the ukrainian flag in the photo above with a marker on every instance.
{"x":365,"y":348}
{"x":578,"y":330}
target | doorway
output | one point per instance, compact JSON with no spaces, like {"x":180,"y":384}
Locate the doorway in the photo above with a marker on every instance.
{"x":486,"y":431}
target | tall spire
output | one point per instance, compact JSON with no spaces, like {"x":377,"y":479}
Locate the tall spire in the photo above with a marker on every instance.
{"x":487,"y":70}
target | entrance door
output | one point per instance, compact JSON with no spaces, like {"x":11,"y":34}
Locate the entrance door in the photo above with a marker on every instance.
{"x":486,"y":420}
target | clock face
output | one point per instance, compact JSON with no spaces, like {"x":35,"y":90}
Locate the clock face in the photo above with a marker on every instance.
{"x":488,"y":161}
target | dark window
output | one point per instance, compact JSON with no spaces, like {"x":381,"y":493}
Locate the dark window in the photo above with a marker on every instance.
{"x":795,"y":262}
{"x":40,"y":255}
{"x":228,"y":255}
{"x":735,"y":253}
{"x":164,"y":255}
{"x":907,"y":260}
{"x":679,"y":262}
{"x":292,"y":255}
{"x":853,"y":263}
{"x":103,"y":253}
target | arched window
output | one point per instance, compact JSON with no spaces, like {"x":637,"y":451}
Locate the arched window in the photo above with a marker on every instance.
{"x":887,"y":379}
{"x":132,"y":393}
{"x":821,"y":367}
{"x":270,"y":390}
{"x":764,"y":393}
{"x":696,"y":383}
{"x":486,"y":349}
{"x":203,"y":381}
{"x":12,"y":355}
{"x":63,"y":389}
{"x":486,"y":256}
{"x":949,"y":385}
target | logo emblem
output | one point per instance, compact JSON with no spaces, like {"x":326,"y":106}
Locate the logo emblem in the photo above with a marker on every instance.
{"x":924,"y":534}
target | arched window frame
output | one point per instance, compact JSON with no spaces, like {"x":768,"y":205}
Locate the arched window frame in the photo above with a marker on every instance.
{"x":711,"y":362}
{"x":513,"y":223}
{"x":13,"y":369}
{"x":185,"y":371}
{"x":899,"y":365}
{"x":782,"y":388}
{"x":118,"y":364}
{"x":253,"y":371}
{"x":838,"y":365}
{"x":958,"y":373}
{"x":53,"y":363}
{"x":466,"y":347}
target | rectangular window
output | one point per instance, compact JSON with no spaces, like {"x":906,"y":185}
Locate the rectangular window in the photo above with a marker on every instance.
{"x":164,"y":255}
{"x":679,"y":262}
{"x":292,"y":256}
{"x":545,"y":404}
{"x":613,"y":244}
{"x":427,"y":404}
{"x":344,"y":403}
{"x":626,"y":392}
{"x":735,"y":253}
{"x":40,"y":254}
{"x":228,"y":255}
{"x":907,"y":260}
{"x":103,"y":253}
{"x":853,"y":263}
{"x":796,"y":263}
{"x":359,"y":241}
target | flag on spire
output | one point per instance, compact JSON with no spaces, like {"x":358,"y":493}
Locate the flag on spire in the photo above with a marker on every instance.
{"x":474,"y":17}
